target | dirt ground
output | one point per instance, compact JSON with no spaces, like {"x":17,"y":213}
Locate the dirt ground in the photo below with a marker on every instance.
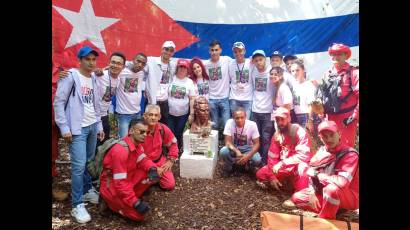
{"x":220,"y":203}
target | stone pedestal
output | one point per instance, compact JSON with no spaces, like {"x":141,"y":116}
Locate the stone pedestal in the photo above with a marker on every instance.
{"x":196,"y":160}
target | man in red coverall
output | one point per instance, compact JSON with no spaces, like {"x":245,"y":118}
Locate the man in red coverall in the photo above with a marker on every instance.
{"x":333,"y":174}
{"x":288,"y":154}
{"x":347,"y":121}
{"x":153,"y":146}
{"x":127,"y":173}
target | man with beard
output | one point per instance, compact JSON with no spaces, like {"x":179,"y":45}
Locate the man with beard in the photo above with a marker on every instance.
{"x":288,"y":154}
{"x":334,"y":176}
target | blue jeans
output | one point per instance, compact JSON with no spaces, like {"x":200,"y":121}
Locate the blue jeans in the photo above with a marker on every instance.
{"x":177,"y":125}
{"x":302,"y":119}
{"x":219,"y":112}
{"x":229,"y":160}
{"x":247,"y":105}
{"x":82,"y":149}
{"x":266,"y":130}
{"x":124,"y":121}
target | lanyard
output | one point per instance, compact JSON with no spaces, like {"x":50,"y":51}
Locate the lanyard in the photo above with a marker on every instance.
{"x":109,"y":80}
{"x":166,"y":73}
{"x":241,"y":77}
{"x":236,"y":131}
{"x":215,"y":73}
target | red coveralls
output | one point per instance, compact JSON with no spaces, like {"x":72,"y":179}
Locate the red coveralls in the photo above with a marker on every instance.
{"x":341,"y":187}
{"x":348,"y":133}
{"x":54,"y":129}
{"x":124,"y":178}
{"x":153,"y":148}
{"x":291,"y":156}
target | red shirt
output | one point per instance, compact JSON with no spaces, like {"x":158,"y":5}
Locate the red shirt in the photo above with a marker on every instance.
{"x":289,"y":154}
{"x":153,"y":143}
{"x":345,"y":86}
{"x":345,"y":173}
{"x":120,"y":170}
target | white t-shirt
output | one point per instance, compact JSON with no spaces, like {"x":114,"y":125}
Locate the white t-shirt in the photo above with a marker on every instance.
{"x":129,"y":92}
{"x":263,"y":90}
{"x":129,"y":65}
{"x":179,"y":93}
{"x":159,"y":76}
{"x":202,"y":87}
{"x":106,"y":93}
{"x":241,"y":85}
{"x":87,"y":96}
{"x":305,"y":94}
{"x":241,"y":136}
{"x":218,"y":77}
{"x":284,"y":96}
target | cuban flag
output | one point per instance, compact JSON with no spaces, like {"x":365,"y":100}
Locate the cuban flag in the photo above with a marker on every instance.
{"x":305,"y":28}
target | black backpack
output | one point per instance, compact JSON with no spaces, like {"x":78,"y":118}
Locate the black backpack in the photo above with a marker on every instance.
{"x":329,"y":92}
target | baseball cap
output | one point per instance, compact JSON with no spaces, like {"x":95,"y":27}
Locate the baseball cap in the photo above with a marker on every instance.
{"x":327,"y":125}
{"x":260,"y":52}
{"x":168,"y":44}
{"x":84,"y":51}
{"x":183,"y":62}
{"x":239,"y":45}
{"x":276,"y":53}
{"x":281,"y":112}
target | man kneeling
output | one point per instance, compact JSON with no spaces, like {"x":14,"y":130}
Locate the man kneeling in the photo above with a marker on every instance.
{"x":241,"y":143}
{"x":123,"y":179}
{"x":288,"y":154}
{"x":333,"y":176}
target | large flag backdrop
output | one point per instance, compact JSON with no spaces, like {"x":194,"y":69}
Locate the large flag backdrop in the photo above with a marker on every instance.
{"x":302,"y":27}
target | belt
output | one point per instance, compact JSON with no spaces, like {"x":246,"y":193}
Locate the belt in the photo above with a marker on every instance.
{"x":161,"y":102}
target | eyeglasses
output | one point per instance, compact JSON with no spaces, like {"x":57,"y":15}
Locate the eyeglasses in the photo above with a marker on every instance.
{"x":116,"y":63}
{"x":169,"y":49}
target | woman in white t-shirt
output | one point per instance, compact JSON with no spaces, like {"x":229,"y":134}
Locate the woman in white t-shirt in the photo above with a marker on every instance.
{"x":304,"y":93}
{"x":200,"y":77}
{"x":181,"y":96}
{"x":282,"y":96}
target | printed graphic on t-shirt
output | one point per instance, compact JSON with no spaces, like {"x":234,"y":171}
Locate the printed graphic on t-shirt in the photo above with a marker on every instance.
{"x":178,"y":92}
{"x":203,"y":88}
{"x":296,"y":100}
{"x":215,"y":73}
{"x":165,"y":76}
{"x":107,"y":94}
{"x":87,"y":95}
{"x":261,"y":84}
{"x":131,"y":85}
{"x":239,"y":140}
{"x":242,"y":78}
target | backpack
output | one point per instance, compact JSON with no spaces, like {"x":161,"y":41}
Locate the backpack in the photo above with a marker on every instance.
{"x":95,"y":165}
{"x":329,"y":93}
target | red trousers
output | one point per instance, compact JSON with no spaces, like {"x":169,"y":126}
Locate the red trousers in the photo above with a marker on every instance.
{"x":348,"y":133}
{"x":300,"y":180}
{"x":167,"y":180}
{"x":54,"y":149}
{"x":328,"y":203}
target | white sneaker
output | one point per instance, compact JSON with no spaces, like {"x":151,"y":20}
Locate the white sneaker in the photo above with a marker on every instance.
{"x":91,"y":196}
{"x":80,"y":214}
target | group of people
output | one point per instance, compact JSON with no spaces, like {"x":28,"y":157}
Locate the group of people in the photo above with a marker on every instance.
{"x":270,"y":100}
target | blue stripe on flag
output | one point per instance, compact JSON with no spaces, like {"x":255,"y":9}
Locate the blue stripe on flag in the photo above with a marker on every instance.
{"x":292,"y":37}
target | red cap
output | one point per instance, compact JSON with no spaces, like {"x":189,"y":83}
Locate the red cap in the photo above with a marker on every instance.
{"x":282,"y":112}
{"x":327,"y":125}
{"x":340,"y":48}
{"x":183,"y":62}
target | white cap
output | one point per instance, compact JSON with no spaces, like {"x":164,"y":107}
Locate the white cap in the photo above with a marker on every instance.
{"x":168,"y":44}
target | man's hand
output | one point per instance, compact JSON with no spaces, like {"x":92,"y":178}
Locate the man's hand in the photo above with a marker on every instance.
{"x":348,"y":120}
{"x":68,"y":137}
{"x":101,"y":135}
{"x":98,"y":72}
{"x":190,"y":118}
{"x":242,"y":160}
{"x":311,"y":172}
{"x":277,"y":167}
{"x":164,"y":168}
{"x":275,"y":184}
{"x":313,"y":201}
{"x":63,"y":74}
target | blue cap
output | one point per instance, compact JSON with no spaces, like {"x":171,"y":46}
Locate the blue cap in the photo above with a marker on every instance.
{"x":85,"y":50}
{"x":276,"y":53}
{"x":261,"y":52}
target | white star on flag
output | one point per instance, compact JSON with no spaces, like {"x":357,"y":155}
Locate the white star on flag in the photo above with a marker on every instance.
{"x":86,"y":26}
